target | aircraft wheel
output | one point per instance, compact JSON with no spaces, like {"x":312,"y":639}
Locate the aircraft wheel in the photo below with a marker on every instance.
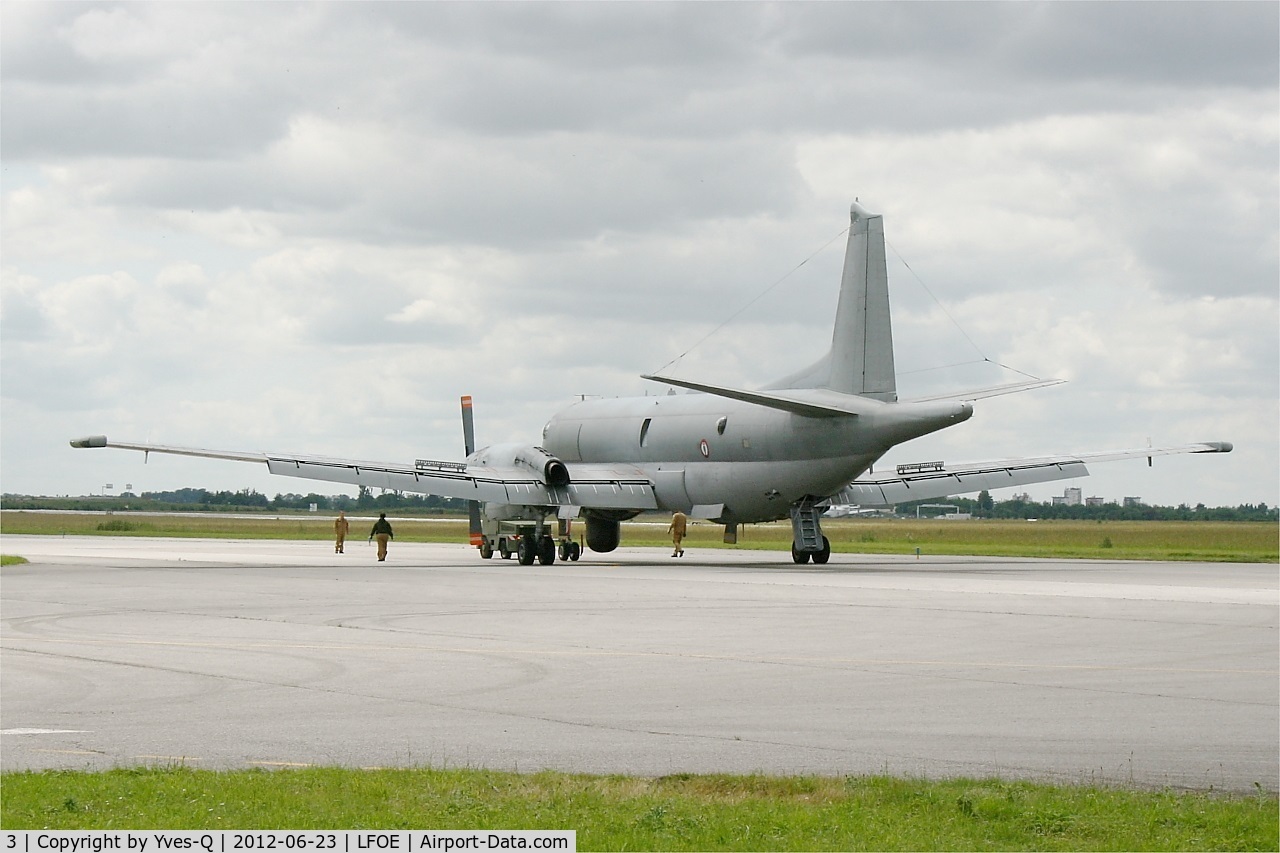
{"x":821,"y":557}
{"x":547,"y":551}
{"x":526,"y":550}
{"x":800,"y":557}
{"x":486,"y":550}
{"x":575,"y":551}
{"x":563,"y":550}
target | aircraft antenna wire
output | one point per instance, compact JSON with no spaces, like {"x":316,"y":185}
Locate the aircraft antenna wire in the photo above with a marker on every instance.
{"x":985,"y":358}
{"x":946,"y":367}
{"x":754,"y":300}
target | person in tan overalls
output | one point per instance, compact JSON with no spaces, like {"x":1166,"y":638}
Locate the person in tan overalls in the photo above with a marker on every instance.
{"x":340,"y":528}
{"x":678,"y":524}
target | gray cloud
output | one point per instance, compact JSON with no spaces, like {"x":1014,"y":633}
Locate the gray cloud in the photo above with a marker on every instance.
{"x":214,"y":214}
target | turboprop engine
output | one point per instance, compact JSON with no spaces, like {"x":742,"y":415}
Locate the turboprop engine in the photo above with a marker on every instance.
{"x":550,"y":469}
{"x":604,"y":531}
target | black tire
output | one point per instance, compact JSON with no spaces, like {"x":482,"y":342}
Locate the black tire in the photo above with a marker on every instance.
{"x":575,"y":551}
{"x":526,"y":550}
{"x":562,"y":551}
{"x":821,"y":557}
{"x":486,"y":550}
{"x":547,"y":551}
{"x":799,"y":557}
{"x":503,"y":551}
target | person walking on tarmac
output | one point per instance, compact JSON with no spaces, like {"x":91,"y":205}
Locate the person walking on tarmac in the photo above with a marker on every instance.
{"x":382,"y":530}
{"x":340,"y":529}
{"x":677,"y":528}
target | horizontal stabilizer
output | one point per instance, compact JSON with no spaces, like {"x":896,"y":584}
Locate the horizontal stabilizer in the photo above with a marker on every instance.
{"x":809,"y":402}
{"x":993,"y":391}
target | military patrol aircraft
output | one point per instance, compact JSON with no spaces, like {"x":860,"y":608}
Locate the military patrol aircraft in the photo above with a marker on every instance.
{"x":729,"y":455}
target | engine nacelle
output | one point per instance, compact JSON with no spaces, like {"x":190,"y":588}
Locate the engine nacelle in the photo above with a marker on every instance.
{"x":603,"y":534}
{"x":550,"y":469}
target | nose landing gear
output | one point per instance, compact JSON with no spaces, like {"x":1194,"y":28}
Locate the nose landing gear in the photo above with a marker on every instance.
{"x":809,"y":542}
{"x":820,"y":556}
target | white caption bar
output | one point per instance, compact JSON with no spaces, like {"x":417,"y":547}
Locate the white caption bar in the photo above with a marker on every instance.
{"x":283,"y":841}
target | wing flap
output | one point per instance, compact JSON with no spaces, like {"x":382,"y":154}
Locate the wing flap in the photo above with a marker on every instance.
{"x":936,"y":480}
{"x":942,"y":482}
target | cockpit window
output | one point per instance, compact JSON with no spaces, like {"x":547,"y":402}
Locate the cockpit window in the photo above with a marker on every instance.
{"x":644,"y":431}
{"x":721,"y":424}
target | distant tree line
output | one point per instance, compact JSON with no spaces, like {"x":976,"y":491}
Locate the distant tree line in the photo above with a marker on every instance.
{"x":245,"y":500}
{"x":983,"y":506}
{"x":249,"y":500}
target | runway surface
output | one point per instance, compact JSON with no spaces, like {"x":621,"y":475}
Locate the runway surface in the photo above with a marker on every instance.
{"x":119,"y":652}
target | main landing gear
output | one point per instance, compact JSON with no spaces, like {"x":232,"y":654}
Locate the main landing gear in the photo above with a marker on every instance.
{"x":809,"y":542}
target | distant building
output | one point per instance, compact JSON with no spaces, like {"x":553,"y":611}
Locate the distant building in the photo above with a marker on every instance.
{"x":1074,"y":496}
{"x":1058,"y":500}
{"x":1024,"y":497}
{"x":1133,"y":501}
{"x":1094,"y":501}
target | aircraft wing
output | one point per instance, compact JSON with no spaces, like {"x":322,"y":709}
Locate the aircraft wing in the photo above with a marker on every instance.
{"x":923,"y":480}
{"x":590,"y":486}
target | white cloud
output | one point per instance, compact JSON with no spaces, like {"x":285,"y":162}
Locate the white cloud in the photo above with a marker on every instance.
{"x":314,"y":226}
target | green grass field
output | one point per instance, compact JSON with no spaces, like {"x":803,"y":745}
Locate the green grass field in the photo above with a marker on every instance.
{"x":685,"y":812}
{"x":1201,"y":541}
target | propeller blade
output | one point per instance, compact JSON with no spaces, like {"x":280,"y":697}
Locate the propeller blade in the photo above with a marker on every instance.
{"x":469,"y":444}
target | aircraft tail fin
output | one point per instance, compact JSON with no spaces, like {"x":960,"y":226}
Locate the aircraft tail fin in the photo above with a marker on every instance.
{"x":860,"y":361}
{"x":862,"y":343}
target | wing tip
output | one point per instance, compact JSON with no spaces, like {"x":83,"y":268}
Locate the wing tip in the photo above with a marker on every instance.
{"x":90,"y":441}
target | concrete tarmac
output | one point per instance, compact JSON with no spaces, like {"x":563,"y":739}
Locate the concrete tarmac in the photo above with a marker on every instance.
{"x":223,"y":654}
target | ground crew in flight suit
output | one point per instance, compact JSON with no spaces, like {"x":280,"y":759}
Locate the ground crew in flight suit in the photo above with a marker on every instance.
{"x":340,"y":528}
{"x":677,"y":528}
{"x":381,"y":530}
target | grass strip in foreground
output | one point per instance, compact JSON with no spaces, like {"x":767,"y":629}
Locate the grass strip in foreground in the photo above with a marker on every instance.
{"x":684,"y":812}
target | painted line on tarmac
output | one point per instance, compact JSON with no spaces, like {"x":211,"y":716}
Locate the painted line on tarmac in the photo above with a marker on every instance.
{"x":465,"y":650}
{"x":279,"y":764}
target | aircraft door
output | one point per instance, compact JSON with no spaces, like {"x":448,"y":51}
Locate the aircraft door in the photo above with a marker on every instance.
{"x":668,"y":486}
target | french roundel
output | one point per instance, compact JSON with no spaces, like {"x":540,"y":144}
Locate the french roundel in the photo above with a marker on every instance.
{"x":705,"y":448}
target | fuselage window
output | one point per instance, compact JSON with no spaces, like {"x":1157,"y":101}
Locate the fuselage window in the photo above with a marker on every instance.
{"x":721,"y":424}
{"x":644,"y":431}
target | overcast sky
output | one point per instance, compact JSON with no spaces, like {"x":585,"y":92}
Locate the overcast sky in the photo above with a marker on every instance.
{"x":312,"y":227}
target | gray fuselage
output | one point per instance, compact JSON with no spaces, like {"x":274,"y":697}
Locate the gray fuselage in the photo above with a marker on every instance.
{"x":735,"y":461}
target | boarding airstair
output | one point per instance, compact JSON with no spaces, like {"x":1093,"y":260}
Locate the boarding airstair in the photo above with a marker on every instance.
{"x":807,"y":532}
